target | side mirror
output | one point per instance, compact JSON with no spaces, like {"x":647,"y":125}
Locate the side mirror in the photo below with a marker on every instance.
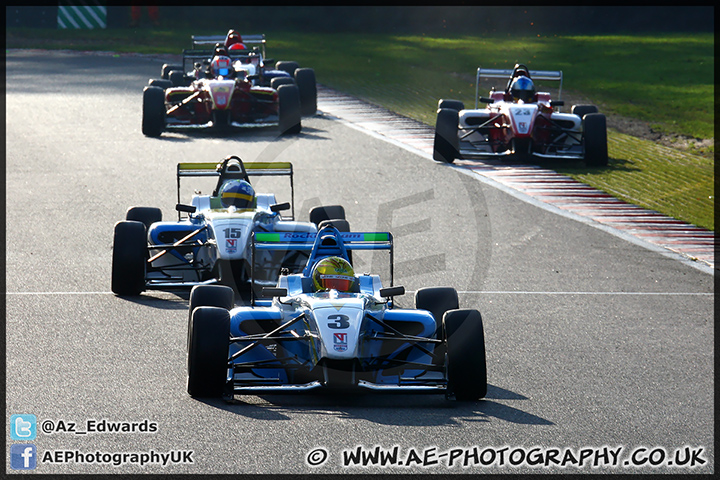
{"x":392,"y":291}
{"x":185,"y":208}
{"x":268,"y":60}
{"x":557,"y":103}
{"x":253,"y":77}
{"x":278,"y":207}
{"x":274,"y":292}
{"x":487,"y":100}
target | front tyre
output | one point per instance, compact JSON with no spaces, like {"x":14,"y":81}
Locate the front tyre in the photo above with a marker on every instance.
{"x":466,"y":366}
{"x":595,"y":138}
{"x":129,"y":258}
{"x":209,"y":334}
{"x":146,"y":215}
{"x":220,"y":296}
{"x":446,"y":143}
{"x":153,"y":120}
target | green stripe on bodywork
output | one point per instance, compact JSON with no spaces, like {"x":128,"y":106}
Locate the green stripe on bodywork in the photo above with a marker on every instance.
{"x":376,"y":237}
{"x":267,"y":237}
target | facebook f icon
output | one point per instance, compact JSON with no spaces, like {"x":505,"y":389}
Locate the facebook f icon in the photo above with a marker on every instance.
{"x":23,"y":456}
{"x":23,"y":427}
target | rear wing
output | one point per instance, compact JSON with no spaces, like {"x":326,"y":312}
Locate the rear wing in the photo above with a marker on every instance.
{"x":327,"y":242}
{"x":552,"y":75}
{"x":203,"y":47}
{"x":242,"y":171}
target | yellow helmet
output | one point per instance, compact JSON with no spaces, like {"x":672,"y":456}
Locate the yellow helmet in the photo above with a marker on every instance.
{"x":333,"y":273}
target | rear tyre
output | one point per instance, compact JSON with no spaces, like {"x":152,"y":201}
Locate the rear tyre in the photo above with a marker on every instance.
{"x":326,"y":212}
{"x":595,"y":138}
{"x":208,"y":351}
{"x":277,"y":81}
{"x":129,"y":258}
{"x":167,"y":68}
{"x":146,"y":215}
{"x":153,"y":120}
{"x":289,"y":109}
{"x":305,"y":79}
{"x":178,"y":79}
{"x":451,"y":104}
{"x":437,"y":300}
{"x":582,"y":110}
{"x":287,"y":66}
{"x":446,"y":143}
{"x":220,"y":296}
{"x":466,"y":366}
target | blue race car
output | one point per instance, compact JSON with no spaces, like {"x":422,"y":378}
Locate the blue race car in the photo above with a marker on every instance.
{"x":211,"y":244}
{"x":326,"y":328}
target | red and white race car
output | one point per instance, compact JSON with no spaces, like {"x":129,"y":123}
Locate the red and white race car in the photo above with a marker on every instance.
{"x":519,"y":123}
{"x":221,"y":92}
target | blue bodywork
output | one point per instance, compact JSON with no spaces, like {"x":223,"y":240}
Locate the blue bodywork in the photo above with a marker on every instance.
{"x":304,"y":339}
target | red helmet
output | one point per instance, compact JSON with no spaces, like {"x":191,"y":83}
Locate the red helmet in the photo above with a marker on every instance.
{"x":232,"y":38}
{"x":236,"y":46}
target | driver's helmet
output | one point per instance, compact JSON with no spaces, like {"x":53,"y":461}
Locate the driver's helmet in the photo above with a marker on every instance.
{"x":236,"y":47}
{"x":233,"y":38}
{"x":333,"y":273}
{"x":522,"y":88}
{"x":237,"y":193}
{"x":221,"y":66}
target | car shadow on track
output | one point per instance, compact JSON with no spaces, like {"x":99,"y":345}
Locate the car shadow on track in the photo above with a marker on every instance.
{"x":402,"y":410}
{"x":251,"y":135}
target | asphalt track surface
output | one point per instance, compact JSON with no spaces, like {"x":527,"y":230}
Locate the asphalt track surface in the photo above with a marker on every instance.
{"x":593,"y":342}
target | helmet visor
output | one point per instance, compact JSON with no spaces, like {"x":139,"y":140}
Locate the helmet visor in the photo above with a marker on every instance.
{"x":341,"y":283}
{"x":223,"y":71}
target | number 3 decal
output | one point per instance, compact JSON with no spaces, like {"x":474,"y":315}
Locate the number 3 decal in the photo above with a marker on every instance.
{"x":339,"y":321}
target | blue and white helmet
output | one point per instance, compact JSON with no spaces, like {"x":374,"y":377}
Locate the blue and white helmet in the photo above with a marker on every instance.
{"x":237,"y":193}
{"x":522,"y":88}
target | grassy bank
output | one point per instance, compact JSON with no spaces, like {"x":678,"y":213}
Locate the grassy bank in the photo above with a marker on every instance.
{"x":666,"y":81}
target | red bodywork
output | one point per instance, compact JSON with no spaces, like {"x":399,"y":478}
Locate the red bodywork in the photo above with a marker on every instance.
{"x":504,"y":125}
{"x":238,"y":100}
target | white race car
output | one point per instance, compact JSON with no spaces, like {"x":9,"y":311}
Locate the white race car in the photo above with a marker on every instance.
{"x":211,"y":244}
{"x":520,"y":123}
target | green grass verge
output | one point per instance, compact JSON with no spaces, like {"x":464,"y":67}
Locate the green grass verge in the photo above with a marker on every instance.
{"x":665,"y":80}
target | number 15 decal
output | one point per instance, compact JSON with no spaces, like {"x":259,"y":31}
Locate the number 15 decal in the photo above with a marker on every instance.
{"x":339,"y":321}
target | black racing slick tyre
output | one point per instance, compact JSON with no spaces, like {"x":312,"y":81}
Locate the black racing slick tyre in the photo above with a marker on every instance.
{"x":208,"y":352}
{"x":595,"y":138}
{"x":146,"y":215}
{"x":160,"y":83}
{"x":446,"y":143}
{"x":277,"y":81}
{"x":129,"y":258}
{"x":466,"y":365}
{"x":437,"y":300}
{"x":451,"y":104}
{"x":287,"y":66}
{"x":582,"y":110}
{"x":167,"y":68}
{"x":220,"y":296}
{"x":289,"y":109}
{"x":326,"y":212}
{"x":307,"y":86}
{"x":178,"y":79}
{"x":153,"y":119}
